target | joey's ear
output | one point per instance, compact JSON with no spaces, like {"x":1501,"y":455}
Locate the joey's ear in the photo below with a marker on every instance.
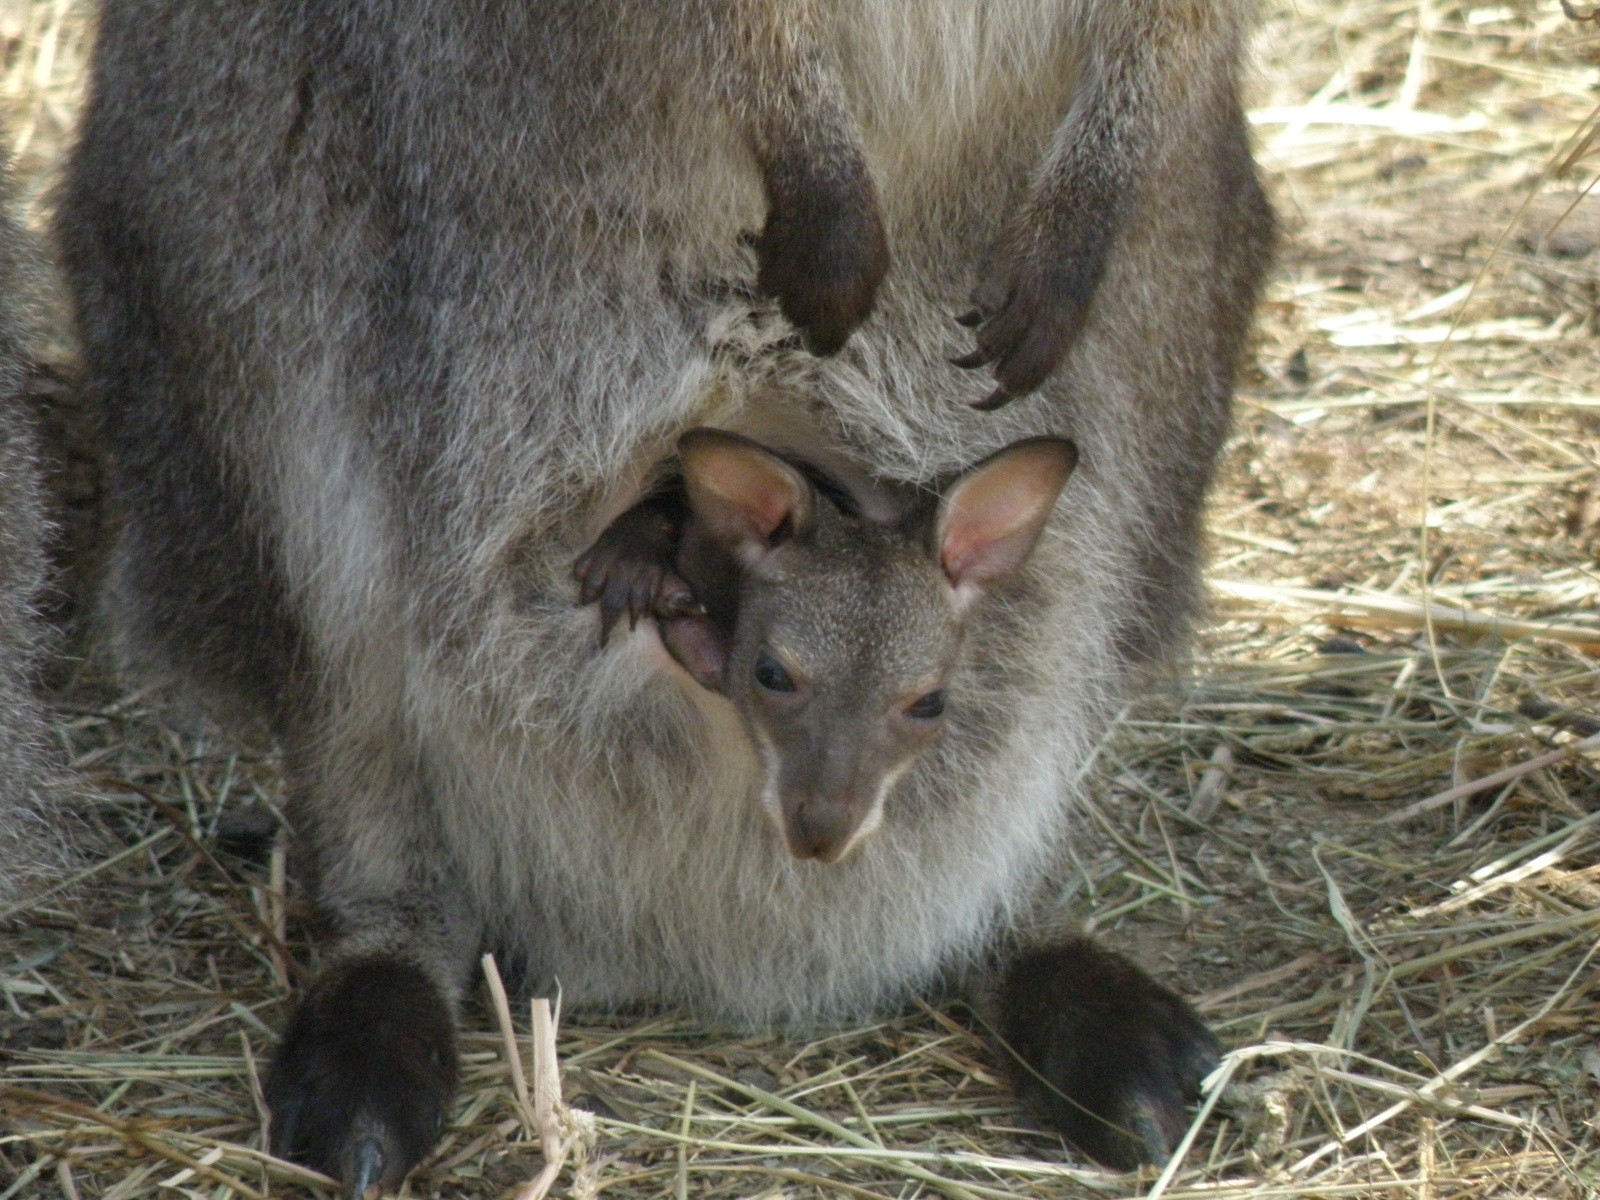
{"x":990,"y":518}
{"x":748,"y":499}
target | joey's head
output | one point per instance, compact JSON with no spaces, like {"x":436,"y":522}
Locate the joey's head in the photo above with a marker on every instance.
{"x":846,"y":630}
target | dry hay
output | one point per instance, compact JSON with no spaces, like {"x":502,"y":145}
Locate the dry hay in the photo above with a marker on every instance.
{"x":1363,"y":831}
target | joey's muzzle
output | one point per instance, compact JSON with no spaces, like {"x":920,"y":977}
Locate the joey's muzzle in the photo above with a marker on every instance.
{"x":825,"y":828}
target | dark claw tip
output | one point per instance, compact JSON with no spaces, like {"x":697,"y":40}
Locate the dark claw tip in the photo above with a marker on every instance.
{"x":366,"y":1168}
{"x":968,"y":361}
{"x":998,"y":398}
{"x":971,"y":319}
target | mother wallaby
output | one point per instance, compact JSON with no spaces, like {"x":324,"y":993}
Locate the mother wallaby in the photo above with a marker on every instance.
{"x":396,"y":304}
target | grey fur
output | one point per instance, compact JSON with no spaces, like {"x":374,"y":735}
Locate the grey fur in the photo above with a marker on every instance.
{"x":395,"y":304}
{"x":32,"y":782}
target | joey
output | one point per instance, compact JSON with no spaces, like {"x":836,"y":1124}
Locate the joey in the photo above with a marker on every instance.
{"x":834,"y":635}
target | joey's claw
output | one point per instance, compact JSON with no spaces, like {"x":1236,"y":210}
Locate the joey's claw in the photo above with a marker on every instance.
{"x":589,"y":579}
{"x":615,"y":601}
{"x":365,"y":1071}
{"x":969,"y":362}
{"x":597,"y":576}
{"x":604,"y":583}
{"x":1103,"y":1052}
{"x":642,"y":596}
{"x":970,"y":319}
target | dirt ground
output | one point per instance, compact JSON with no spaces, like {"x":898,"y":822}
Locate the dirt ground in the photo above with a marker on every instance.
{"x":1361,"y":830}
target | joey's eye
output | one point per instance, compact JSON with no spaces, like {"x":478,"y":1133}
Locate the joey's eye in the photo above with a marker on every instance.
{"x":771,"y":675}
{"x":928,"y":708}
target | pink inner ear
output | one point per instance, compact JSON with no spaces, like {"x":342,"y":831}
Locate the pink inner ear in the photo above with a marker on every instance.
{"x":761,"y":490}
{"x":983,"y":546}
{"x":990,"y":520}
{"x":742,"y":492}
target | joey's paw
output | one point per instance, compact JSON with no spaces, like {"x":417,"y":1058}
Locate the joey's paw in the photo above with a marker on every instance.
{"x":1107,"y":1055}
{"x":628,"y":570}
{"x":364,"y":1074}
{"x":823,"y":251}
{"x":1030,"y":302}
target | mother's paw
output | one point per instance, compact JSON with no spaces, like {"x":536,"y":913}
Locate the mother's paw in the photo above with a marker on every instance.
{"x":823,"y":251}
{"x":1032,"y":298}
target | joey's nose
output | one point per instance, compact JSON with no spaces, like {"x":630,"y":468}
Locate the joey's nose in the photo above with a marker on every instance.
{"x":821,"y":830}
